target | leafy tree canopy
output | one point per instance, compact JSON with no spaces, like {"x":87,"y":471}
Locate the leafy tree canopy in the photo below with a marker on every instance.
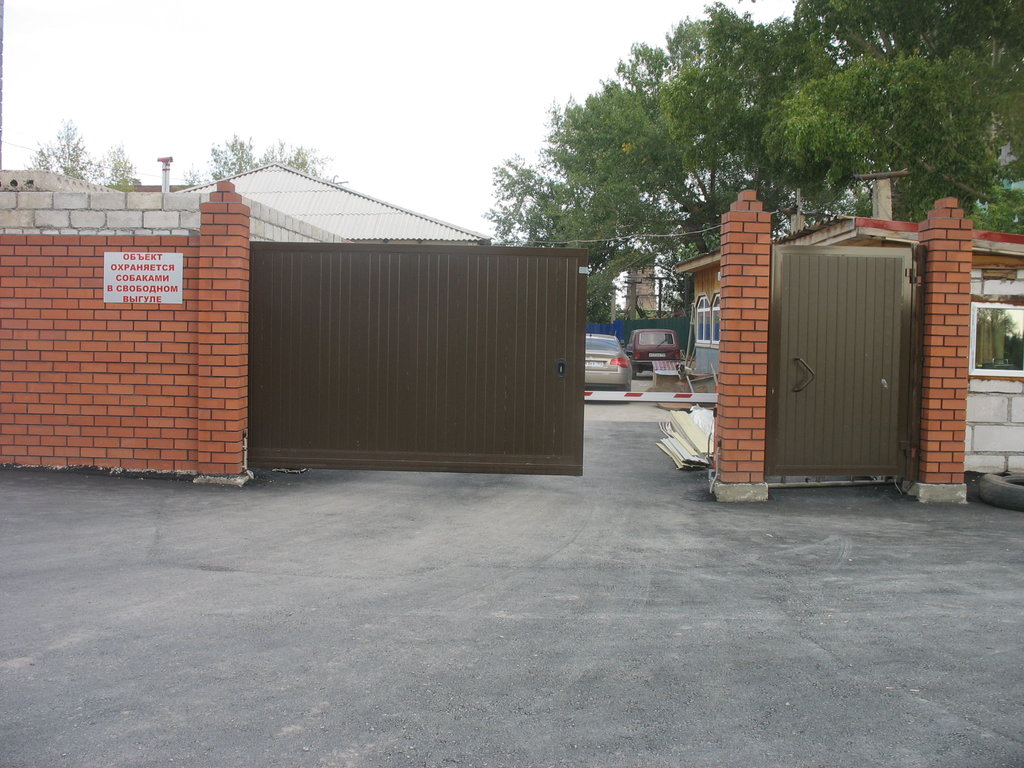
{"x":119,"y":170}
{"x":238,"y":155}
{"x":641,"y":171}
{"x":797,"y":104}
{"x":67,"y":155}
{"x":1003,"y":212}
{"x":928,"y":85}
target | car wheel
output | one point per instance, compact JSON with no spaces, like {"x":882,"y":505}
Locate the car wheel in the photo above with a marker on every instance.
{"x":1006,"y":491}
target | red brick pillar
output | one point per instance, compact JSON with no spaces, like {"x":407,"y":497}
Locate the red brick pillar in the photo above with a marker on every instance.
{"x":947,"y":239}
{"x":223,"y":338}
{"x":743,"y":351}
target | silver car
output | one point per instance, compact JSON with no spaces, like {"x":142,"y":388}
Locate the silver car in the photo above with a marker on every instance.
{"x":607,"y":366}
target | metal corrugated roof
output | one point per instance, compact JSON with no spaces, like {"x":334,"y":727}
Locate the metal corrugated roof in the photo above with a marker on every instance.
{"x":338,"y":209}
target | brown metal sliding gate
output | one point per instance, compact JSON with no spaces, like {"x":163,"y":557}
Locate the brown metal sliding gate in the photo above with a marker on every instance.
{"x":839,"y":368}
{"x":435,"y":358}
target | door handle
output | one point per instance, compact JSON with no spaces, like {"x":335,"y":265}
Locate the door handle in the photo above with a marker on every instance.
{"x":560,"y":368}
{"x":811,"y":377}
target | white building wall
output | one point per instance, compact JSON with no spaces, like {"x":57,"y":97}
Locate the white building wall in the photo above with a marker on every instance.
{"x":995,"y":406}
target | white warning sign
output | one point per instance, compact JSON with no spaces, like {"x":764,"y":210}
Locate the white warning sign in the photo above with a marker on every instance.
{"x":142,"y":278}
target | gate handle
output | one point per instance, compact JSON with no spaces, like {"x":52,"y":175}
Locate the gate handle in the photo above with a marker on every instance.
{"x":560,"y":368}
{"x":803,"y":385}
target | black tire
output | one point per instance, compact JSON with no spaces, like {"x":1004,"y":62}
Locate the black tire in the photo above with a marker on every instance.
{"x":1006,"y":491}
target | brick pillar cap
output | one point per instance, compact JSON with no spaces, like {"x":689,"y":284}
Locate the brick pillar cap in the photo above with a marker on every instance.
{"x":225,"y":186}
{"x":946,"y":207}
{"x":747,"y":201}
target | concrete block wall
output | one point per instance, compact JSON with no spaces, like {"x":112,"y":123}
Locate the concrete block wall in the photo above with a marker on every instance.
{"x":997,"y":285}
{"x":126,"y":386}
{"x":107,"y":213}
{"x":270,"y":225}
{"x":33,"y":180}
{"x":995,"y":405}
{"x":995,"y":426}
{"x":41,"y":203}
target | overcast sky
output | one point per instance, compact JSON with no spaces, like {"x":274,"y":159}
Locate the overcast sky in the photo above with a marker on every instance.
{"x":415,"y":102}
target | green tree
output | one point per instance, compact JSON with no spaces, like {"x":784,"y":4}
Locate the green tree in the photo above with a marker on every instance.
{"x":609,"y":180}
{"x":732,"y":73}
{"x":238,"y":155}
{"x":928,"y":85}
{"x":68,"y":155}
{"x":194,"y":177}
{"x":235,"y":156}
{"x":642,"y":170}
{"x":1002,"y":211}
{"x":118,"y":170}
{"x":304,"y":159}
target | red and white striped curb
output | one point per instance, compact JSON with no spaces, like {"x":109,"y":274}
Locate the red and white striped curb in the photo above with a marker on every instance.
{"x":656,"y":397}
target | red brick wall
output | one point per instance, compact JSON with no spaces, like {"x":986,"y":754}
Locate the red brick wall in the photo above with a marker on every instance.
{"x":947,"y":237}
{"x":222,"y":302}
{"x":743,"y":350}
{"x":133,"y":386}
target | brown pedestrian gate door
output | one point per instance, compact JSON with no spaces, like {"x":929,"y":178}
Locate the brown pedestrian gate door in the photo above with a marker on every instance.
{"x":436,"y":358}
{"x":839,"y":374}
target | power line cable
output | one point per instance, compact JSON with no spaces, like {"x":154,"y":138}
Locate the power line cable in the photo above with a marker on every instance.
{"x":566,"y":241}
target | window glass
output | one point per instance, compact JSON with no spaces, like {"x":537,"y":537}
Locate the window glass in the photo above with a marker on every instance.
{"x":716,"y":319}
{"x":649,"y":339}
{"x":997,"y":337}
{"x":703,"y":319}
{"x":603,"y":345}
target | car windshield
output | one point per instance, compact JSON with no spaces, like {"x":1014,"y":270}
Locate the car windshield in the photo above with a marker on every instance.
{"x":655,"y":339}
{"x":602,"y":345}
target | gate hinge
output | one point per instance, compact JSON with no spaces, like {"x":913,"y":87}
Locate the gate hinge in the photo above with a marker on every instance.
{"x":908,"y":449}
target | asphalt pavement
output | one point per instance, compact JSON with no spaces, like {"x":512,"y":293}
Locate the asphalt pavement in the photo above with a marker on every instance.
{"x":409,"y":619}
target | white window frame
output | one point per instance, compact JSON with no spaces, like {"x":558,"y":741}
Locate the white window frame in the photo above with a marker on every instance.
{"x":702,"y":316}
{"x":716,"y":319}
{"x":975,"y":306}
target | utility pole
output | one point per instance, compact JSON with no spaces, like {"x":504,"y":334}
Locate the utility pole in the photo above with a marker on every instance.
{"x":797,"y":221}
{"x":1,"y":83}
{"x":659,"y":281}
{"x":631,"y":283}
{"x":881,"y":191}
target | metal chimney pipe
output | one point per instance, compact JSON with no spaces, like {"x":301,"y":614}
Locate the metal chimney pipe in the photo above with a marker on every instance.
{"x":165,"y":185}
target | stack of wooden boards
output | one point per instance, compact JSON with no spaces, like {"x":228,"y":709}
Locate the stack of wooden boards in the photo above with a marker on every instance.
{"x":689,"y":438}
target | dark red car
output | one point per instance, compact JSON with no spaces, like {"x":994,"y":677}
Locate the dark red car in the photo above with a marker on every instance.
{"x":648,"y":344}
